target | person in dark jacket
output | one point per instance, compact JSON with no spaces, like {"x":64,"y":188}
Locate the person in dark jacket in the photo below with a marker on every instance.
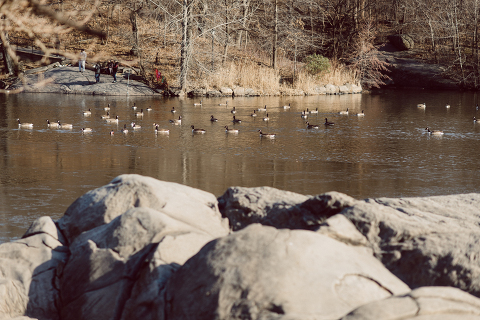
{"x":114,"y":71}
{"x":98,"y":69}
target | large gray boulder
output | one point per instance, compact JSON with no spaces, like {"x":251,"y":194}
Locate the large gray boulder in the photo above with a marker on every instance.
{"x":28,"y":270}
{"x":120,"y":268}
{"x":278,"y":208}
{"x":266,"y":273}
{"x":430,"y":241}
{"x":401,"y":41}
{"x":102,"y":205}
{"x":427,"y":303}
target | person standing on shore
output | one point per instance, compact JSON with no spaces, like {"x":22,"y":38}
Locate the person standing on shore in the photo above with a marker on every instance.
{"x":114,"y":71}
{"x":81,"y":61}
{"x":98,"y":69}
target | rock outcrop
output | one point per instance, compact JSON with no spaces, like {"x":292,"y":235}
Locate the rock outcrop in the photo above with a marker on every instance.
{"x":139,"y":248}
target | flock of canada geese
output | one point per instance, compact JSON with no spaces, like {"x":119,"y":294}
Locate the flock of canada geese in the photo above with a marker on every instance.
{"x":259,"y":112}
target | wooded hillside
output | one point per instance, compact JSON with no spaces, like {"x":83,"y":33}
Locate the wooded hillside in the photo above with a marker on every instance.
{"x":200,"y":43}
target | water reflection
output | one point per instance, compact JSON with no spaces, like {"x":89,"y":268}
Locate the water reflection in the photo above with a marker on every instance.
{"x":385,"y":153}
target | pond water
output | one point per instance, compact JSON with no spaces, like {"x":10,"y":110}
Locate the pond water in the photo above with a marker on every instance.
{"x":386,"y":153}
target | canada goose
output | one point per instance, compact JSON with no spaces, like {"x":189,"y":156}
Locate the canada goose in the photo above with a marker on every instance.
{"x":304,"y":115}
{"x":213,"y":119}
{"x":344,"y":111}
{"x":149,"y":109}
{"x":327,"y":123}
{"x":24,"y":125}
{"x":106,"y":116}
{"x":135,"y":126}
{"x":266,"y":118}
{"x":230,"y":130}
{"x":176,"y":121}
{"x":267,"y":135}
{"x":314,"y":111}
{"x":435,"y":132}
{"x":254,"y":114}
{"x":85,"y":130}
{"x":361,"y":114}
{"x":112,"y":120}
{"x":197,"y":130}
{"x":223,"y":104}
{"x":311,"y":126}
{"x":134,"y":107}
{"x":173,"y":110}
{"x":64,"y":125}
{"x":87,"y":113}
{"x":421,"y":105}
{"x":198,"y":104}
{"x":286,"y":107}
{"x":474,"y":120}
{"x":52,"y":125}
{"x":233,"y":110}
{"x":447,"y":106}
{"x":107,"y":108}
{"x":158,"y":130}
{"x":262,"y":109}
{"x":236,"y":120}
{"x":124,"y":130}
{"x":139,"y":114}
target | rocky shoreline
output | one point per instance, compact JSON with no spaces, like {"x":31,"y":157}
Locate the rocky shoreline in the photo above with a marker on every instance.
{"x":66,"y":79}
{"x":140,"y":248}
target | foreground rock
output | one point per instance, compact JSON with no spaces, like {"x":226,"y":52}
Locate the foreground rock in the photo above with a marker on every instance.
{"x":264,"y":273}
{"x":139,"y":248}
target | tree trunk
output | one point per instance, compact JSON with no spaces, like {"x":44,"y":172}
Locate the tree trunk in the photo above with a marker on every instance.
{"x":225,"y":46}
{"x":7,"y":59}
{"x":185,"y":46}
{"x":133,"y":21}
{"x":275,"y":38}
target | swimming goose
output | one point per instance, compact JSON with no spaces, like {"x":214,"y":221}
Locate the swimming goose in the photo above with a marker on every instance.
{"x":233,"y":110}
{"x":158,"y":130}
{"x":230,"y":130}
{"x":213,"y":119}
{"x":304,"y":114}
{"x":106,"y":116}
{"x":173,"y":110}
{"x":327,"y":123}
{"x":421,"y":105}
{"x":149,"y":108}
{"x":176,"y":121}
{"x":135,"y":126}
{"x":435,"y":132}
{"x":361,"y":114}
{"x":24,"y":125}
{"x":447,"y":106}
{"x":84,"y":130}
{"x":262,"y":109}
{"x":139,"y":114}
{"x":64,"y":125}
{"x":474,"y":120}
{"x":112,"y":132}
{"x":344,"y":112}
{"x":236,"y":120}
{"x":314,"y":111}
{"x":87,"y":113}
{"x":197,"y":130}
{"x":198,"y":104}
{"x":52,"y":125}
{"x":124,"y":130}
{"x":254,"y":114}
{"x":134,"y":107}
{"x":266,"y":118}
{"x":107,"y":108}
{"x":267,"y":135}
{"x":311,"y":126}
{"x":112,"y":120}
{"x":286,"y":107}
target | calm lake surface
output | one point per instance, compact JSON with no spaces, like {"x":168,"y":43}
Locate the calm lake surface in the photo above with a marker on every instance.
{"x":386,"y":153}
